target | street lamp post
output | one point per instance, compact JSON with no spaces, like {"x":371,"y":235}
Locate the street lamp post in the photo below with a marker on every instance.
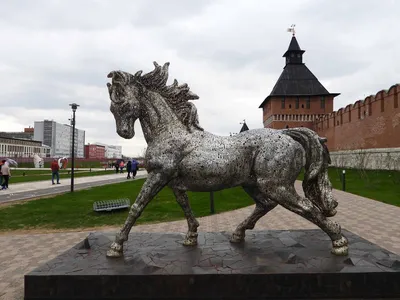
{"x":74,"y":106}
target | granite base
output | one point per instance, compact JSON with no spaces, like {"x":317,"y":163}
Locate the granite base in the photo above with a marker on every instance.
{"x":294,"y":264}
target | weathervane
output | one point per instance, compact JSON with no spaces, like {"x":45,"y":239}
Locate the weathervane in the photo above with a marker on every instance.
{"x":291,"y":29}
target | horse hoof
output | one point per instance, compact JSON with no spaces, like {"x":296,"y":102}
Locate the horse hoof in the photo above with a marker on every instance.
{"x":330,"y":213}
{"x":340,"y":251}
{"x":115,"y":250}
{"x":236,"y":238}
{"x":190,"y":242}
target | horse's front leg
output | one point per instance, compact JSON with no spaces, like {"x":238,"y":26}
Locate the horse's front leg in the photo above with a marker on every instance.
{"x":183,"y":200}
{"x":153,"y":184}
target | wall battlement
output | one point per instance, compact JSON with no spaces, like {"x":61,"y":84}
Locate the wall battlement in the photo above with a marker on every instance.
{"x":370,"y":123}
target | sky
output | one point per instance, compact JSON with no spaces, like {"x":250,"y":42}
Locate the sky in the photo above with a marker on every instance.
{"x":54,"y":53}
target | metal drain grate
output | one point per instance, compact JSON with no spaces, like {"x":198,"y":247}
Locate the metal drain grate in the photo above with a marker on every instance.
{"x":110,"y":205}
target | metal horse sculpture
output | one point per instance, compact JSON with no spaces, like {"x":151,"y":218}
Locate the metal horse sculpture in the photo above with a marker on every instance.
{"x":181,"y":155}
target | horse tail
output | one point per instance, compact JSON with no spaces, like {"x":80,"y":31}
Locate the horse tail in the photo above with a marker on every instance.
{"x":316,"y":184}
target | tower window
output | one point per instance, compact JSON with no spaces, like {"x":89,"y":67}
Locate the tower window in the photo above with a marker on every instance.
{"x":283,"y":102}
{"x":297,"y":102}
{"x":290,"y":105}
{"x":323,"y":102}
{"x":308,"y":103}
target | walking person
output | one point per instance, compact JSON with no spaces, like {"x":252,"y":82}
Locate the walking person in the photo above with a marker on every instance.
{"x":55,"y":169}
{"x":1,"y":175}
{"x":116,"y":167}
{"x":5,"y":173}
{"x":129,"y":169}
{"x":121,"y":166}
{"x":134,"y":168}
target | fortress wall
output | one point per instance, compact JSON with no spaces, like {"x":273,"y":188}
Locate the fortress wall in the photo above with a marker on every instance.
{"x":371,"y":123}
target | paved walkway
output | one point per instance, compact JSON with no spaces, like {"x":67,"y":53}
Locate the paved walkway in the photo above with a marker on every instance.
{"x":33,"y":189}
{"x":373,"y":220}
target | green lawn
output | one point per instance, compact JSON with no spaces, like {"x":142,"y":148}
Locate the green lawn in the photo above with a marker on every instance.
{"x":39,"y":175}
{"x":76,"y":210}
{"x":380,"y":185}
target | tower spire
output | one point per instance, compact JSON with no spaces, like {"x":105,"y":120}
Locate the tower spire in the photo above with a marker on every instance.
{"x":294,"y":54}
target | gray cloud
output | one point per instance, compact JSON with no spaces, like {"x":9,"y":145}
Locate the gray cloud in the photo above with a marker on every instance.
{"x":229,"y":52}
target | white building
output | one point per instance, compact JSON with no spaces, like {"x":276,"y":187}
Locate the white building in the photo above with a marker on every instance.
{"x":112,"y":151}
{"x":59,"y":137}
{"x":13,"y":148}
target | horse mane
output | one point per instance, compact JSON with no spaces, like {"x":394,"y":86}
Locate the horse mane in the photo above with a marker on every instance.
{"x":177,"y":96}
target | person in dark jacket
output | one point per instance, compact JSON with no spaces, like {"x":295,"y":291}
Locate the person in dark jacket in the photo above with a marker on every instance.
{"x":135,"y":167}
{"x":129,"y":169}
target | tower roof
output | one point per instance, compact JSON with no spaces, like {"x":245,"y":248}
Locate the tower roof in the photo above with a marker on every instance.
{"x":296,"y":79}
{"x":244,"y":127}
{"x":293,"y":47}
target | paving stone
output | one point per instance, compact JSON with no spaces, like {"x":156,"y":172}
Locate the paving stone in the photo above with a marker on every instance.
{"x":153,"y":254}
{"x":373,"y":220}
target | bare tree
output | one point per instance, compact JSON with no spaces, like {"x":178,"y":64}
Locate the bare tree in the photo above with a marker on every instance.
{"x":362,"y":158}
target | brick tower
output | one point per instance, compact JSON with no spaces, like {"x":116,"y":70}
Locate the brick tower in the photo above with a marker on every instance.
{"x":298,"y":98}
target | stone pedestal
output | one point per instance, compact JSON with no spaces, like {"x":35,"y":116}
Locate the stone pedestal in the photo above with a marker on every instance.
{"x":294,"y":264}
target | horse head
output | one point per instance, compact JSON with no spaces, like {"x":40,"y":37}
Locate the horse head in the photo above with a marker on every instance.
{"x":125,"y":93}
{"x":149,"y":98}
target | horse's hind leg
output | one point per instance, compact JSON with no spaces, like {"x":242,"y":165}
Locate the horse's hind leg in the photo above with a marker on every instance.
{"x":183,"y":200}
{"x":263,"y":206}
{"x":288,"y":198}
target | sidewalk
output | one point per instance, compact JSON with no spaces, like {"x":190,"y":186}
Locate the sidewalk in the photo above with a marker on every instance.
{"x":33,"y":189}
{"x":76,"y":169}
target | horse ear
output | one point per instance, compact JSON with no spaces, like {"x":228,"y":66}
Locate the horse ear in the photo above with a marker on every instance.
{"x":156,"y":64}
{"x":323,"y":140}
{"x":165,"y":67}
{"x":192,"y":96}
{"x":175,"y":84}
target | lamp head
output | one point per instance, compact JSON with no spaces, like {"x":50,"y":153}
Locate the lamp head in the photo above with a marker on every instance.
{"x":74,"y":106}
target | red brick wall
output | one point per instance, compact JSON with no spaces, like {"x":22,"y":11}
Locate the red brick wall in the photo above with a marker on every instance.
{"x":95,"y":151}
{"x":283,"y":124}
{"x":370,"y":123}
{"x":86,"y":151}
{"x":274,"y":107}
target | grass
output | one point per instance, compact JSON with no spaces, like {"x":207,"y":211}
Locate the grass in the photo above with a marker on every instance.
{"x":39,"y":175}
{"x":76,"y":210}
{"x":381,"y":185}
